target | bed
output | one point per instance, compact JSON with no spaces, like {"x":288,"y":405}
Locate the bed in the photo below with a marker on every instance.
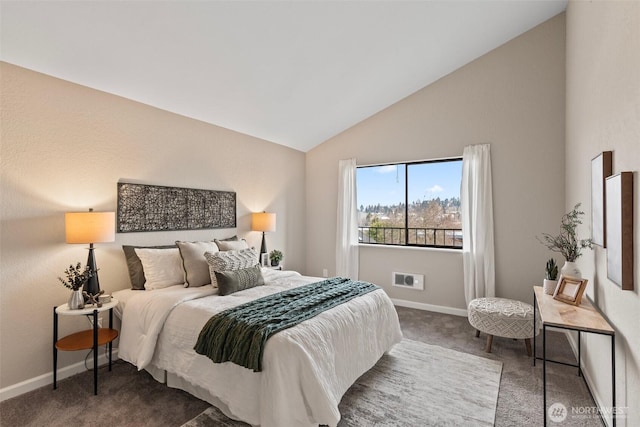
{"x":306,"y":369}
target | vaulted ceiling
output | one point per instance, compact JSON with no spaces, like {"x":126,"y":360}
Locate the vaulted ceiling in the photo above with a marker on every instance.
{"x":292,"y":72}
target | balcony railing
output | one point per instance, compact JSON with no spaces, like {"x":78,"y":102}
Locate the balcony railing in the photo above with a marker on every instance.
{"x":411,"y":236}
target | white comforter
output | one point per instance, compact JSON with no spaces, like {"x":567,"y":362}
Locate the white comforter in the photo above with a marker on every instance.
{"x":306,"y":369}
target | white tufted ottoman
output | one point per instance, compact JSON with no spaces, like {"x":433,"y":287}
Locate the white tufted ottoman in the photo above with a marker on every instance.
{"x":504,"y":318}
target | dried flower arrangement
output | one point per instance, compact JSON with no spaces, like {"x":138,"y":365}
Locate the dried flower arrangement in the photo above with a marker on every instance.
{"x":567,"y":242}
{"x":76,"y":276}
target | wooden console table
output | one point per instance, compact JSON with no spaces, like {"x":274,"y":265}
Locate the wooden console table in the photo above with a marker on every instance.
{"x":582,"y":318}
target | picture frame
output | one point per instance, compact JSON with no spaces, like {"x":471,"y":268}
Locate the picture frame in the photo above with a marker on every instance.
{"x":143,"y":207}
{"x":570,"y":290}
{"x":619,"y":208}
{"x":601,"y":168}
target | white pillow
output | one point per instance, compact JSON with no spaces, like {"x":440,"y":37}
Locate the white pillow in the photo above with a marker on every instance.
{"x":162,"y":267}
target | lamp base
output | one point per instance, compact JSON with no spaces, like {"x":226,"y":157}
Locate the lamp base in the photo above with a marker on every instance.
{"x":92,"y":286}
{"x":263,"y":248}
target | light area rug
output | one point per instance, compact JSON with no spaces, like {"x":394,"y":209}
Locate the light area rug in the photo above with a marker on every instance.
{"x":413,"y":384}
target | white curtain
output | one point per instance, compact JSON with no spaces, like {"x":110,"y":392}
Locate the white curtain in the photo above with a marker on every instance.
{"x":347,"y":227}
{"x":477,"y":223}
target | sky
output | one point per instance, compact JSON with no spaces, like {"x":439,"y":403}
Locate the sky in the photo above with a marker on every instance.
{"x":385,"y":184}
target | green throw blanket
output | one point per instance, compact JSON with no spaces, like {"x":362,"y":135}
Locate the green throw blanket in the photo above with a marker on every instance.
{"x":240,"y":333}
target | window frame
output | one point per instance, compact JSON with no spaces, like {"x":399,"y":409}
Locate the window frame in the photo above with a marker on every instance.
{"x":405,"y":230}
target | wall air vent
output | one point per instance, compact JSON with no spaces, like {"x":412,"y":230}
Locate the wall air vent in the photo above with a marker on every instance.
{"x":408,"y":280}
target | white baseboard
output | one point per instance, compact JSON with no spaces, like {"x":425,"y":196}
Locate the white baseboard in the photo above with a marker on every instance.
{"x":47,"y":379}
{"x":430,"y":307}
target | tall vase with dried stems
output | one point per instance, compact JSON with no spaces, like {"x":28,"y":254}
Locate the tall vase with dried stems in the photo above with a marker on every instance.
{"x":567,"y":242}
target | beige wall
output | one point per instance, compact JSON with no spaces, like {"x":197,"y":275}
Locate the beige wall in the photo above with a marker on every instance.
{"x":603,"y":113}
{"x":512,"y":98}
{"x":64,"y":148}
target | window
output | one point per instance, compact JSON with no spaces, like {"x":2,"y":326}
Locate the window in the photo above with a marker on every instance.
{"x":410,"y":204}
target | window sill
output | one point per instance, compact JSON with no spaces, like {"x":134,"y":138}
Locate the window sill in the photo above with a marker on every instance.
{"x":410,"y":248}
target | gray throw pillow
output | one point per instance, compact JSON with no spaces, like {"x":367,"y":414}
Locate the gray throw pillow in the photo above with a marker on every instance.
{"x":136,"y":272}
{"x":231,"y":245}
{"x":237,"y":280}
{"x":196,"y":269}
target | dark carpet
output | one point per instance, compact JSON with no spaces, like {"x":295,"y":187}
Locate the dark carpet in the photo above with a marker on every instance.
{"x":131,"y":398}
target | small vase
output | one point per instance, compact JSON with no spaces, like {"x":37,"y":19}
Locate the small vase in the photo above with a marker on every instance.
{"x":76,"y":300}
{"x":274,"y":263}
{"x":549,"y":286}
{"x":571,"y":269}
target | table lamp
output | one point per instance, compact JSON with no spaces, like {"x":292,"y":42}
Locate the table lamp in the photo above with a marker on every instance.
{"x":263,"y":221}
{"x":90,"y":227}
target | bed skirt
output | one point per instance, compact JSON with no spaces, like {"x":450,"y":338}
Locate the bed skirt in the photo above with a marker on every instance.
{"x":174,"y":381}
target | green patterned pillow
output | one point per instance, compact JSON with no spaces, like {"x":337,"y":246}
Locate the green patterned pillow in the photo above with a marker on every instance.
{"x":237,"y":280}
{"x":230,"y":260}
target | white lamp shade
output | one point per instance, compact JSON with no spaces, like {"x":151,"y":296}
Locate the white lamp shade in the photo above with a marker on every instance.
{"x":90,"y":227}
{"x":263,"y":221}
